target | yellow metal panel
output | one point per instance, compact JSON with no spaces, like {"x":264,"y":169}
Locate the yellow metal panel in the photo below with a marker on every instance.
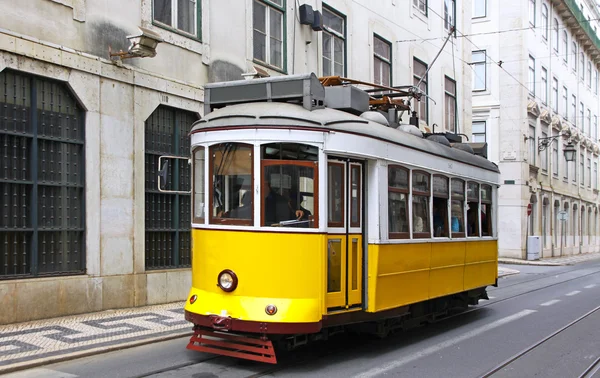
{"x":355,"y":257}
{"x":336,"y":271}
{"x":283,"y":266}
{"x":394,"y":258}
{"x":372,"y":264}
{"x":481,"y":265}
{"x":402,"y":275}
{"x":481,"y":250}
{"x":447,"y":268}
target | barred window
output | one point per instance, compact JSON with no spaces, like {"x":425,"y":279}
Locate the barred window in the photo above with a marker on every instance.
{"x":42,"y":178}
{"x":168,"y":215}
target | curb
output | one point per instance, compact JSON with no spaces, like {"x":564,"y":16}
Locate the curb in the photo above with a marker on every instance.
{"x":90,"y":352}
{"x":530,"y":262}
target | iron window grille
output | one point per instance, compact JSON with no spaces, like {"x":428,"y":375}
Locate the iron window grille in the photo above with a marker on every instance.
{"x":168,"y":215}
{"x":42,"y":178}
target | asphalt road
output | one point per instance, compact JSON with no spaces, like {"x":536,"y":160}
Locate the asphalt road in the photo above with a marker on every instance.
{"x":550,"y":306}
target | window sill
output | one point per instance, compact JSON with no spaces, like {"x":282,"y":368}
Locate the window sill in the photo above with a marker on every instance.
{"x":267,"y":65}
{"x":176,"y":31}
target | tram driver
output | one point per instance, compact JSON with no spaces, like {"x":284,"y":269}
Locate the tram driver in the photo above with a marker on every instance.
{"x":279,"y":208}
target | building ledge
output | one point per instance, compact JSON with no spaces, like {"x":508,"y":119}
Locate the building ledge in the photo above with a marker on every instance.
{"x":573,"y":17}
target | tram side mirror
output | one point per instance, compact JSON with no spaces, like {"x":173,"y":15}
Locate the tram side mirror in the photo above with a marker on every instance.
{"x":170,"y":166}
{"x":163,"y":175}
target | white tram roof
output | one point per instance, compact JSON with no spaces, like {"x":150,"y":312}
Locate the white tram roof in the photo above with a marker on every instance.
{"x":286,"y":115}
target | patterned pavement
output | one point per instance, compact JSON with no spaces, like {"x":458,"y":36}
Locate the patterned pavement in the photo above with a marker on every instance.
{"x":34,"y":343}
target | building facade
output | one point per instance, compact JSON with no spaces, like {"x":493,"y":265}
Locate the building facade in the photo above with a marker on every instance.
{"x":83,"y":226}
{"x":535,"y":89}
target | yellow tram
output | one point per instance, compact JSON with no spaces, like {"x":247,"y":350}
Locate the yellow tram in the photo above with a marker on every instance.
{"x":314,"y":210}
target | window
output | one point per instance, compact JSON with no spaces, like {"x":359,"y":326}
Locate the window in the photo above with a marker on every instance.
{"x":382,"y":61}
{"x":42,"y":178}
{"x":565,"y":100}
{"x":421,"y":191}
{"x":574,"y":169}
{"x":595,"y":179}
{"x":566,"y":164}
{"x":532,"y":13}
{"x":335,"y":194}
{"x":398,"y":189}
{"x":421,"y":5}
{"x":480,"y":7}
{"x":441,"y":194}
{"x":595,"y":81}
{"x":555,"y":157}
{"x":478,"y":60}
{"x":574,"y":52}
{"x":555,"y":34}
{"x":473,"y":215}
{"x":544,"y":153}
{"x":168,"y":215}
{"x":334,"y":43}
{"x":589,"y":74}
{"x":544,"y":94}
{"x":581,"y":170}
{"x":581,"y":66}
{"x":574,"y":110}
{"x":478,"y":132}
{"x":182,"y":15}
{"x":531,"y":77}
{"x":589,"y":172}
{"x":268,"y":32}
{"x":486,"y":211}
{"x":589,"y":122}
{"x":449,"y":14}
{"x":457,"y":206}
{"x":199,"y":208}
{"x":450,"y":104}
{"x":419,"y":70}
{"x":555,"y":95}
{"x":565,"y":47}
{"x":595,"y":128}
{"x":581,"y":120}
{"x":532,"y":145}
{"x":544,"y":21}
{"x":289,"y":186}
{"x":355,"y":195}
{"x":230,"y":198}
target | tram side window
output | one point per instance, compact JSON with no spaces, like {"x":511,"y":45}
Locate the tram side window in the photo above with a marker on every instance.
{"x":473,"y":209}
{"x":457,"y":200}
{"x":421,"y":191}
{"x":335,"y":194}
{"x":486,"y":210}
{"x":398,"y":189}
{"x":289,"y":185}
{"x":440,"y":206}
{"x":231,"y":184}
{"x":199,"y":185}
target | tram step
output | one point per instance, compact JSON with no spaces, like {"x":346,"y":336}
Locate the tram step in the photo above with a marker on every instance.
{"x":231,"y":345}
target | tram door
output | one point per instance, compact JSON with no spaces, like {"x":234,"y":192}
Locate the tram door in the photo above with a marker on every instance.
{"x":345,"y":234}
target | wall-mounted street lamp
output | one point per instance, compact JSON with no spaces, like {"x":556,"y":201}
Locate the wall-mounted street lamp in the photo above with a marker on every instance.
{"x":143,"y":45}
{"x":569,"y":149}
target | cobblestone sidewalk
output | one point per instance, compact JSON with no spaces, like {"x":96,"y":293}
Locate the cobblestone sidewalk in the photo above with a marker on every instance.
{"x":553,"y":261}
{"x":40,"y":342}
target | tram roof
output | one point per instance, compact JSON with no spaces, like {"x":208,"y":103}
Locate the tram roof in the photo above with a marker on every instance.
{"x":286,"y":115}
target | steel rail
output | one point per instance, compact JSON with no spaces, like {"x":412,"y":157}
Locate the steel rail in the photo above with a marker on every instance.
{"x":533,"y":346}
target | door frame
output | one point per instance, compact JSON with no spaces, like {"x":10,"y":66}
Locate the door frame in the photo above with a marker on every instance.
{"x":349,"y":238}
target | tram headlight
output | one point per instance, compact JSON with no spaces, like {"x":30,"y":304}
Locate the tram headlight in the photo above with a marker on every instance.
{"x":227,"y":280}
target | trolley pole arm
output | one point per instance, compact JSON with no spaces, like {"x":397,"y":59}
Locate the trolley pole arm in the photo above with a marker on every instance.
{"x":438,"y":54}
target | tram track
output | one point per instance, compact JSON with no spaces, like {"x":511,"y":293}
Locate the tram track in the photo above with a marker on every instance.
{"x":333,"y":349}
{"x":593,"y":368}
{"x":482,"y":306}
